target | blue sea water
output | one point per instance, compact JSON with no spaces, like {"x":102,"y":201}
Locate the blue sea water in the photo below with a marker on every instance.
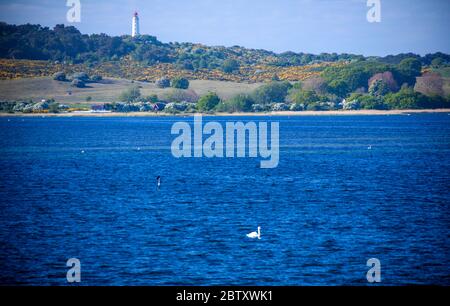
{"x":329,"y":206}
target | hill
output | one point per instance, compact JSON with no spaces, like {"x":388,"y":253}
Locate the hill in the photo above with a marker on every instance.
{"x":107,"y":90}
{"x":146,"y":58}
{"x":127,"y":68}
{"x":63,"y":66}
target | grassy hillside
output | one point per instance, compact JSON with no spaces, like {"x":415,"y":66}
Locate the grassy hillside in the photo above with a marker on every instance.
{"x":129,"y":69}
{"x":108,"y":90}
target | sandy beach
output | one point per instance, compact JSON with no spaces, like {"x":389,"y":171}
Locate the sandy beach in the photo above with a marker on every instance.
{"x":281,"y":113}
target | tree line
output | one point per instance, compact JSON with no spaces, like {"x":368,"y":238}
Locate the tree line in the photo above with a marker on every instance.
{"x":68,"y":44}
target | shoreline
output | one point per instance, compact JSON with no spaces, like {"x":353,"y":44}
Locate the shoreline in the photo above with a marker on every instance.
{"x":262,"y":114}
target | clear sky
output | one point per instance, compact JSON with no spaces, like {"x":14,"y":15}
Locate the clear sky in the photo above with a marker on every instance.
{"x":314,"y":26}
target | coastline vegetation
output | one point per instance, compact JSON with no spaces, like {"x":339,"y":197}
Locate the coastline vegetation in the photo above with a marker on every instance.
{"x":292,"y":81}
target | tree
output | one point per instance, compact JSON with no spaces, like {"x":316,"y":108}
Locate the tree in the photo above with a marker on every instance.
{"x":150,"y":53}
{"x":350,"y":105}
{"x":430,"y":84}
{"x":185,"y":64}
{"x":152,"y":98}
{"x":275,"y":78}
{"x":238,"y":103}
{"x":406,"y":98}
{"x":387,"y":77}
{"x":366,"y":101}
{"x":174,"y":108}
{"x":408,"y":70}
{"x":339,"y":88}
{"x":438,"y":62}
{"x":304,"y":97}
{"x":53,"y":107}
{"x":230,"y":65}
{"x":162,"y":82}
{"x":316,"y":84}
{"x":70,"y":40}
{"x":96,"y":78}
{"x":180,"y":82}
{"x":131,"y":94}
{"x":342,"y":80}
{"x":181,"y":95}
{"x":83,"y":76}
{"x":378,"y":88}
{"x":208,"y":102}
{"x":78,"y":83}
{"x":274,"y":92}
{"x":59,"y":76}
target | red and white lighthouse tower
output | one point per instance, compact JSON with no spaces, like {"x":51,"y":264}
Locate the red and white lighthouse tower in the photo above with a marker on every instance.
{"x":135,"y":25}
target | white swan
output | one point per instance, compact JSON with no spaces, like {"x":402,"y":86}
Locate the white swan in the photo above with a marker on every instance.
{"x":255,"y":234}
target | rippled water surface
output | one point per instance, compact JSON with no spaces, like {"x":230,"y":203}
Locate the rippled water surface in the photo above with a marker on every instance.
{"x":329,"y":206}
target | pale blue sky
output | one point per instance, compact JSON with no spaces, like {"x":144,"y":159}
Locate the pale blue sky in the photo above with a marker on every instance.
{"x":314,"y":26}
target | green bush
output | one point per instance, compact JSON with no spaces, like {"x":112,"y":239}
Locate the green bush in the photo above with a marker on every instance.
{"x":96,"y":78}
{"x":406,"y":98}
{"x":59,"y":76}
{"x":78,"y":83}
{"x":131,"y":94}
{"x":302,"y":97}
{"x":83,"y":76}
{"x":274,"y":92}
{"x":378,"y":88}
{"x":162,"y":83}
{"x":239,"y":103}
{"x":7,"y":107}
{"x":407,"y":71}
{"x":208,"y":102}
{"x":230,"y":66}
{"x":180,"y":95}
{"x":438,"y":62}
{"x":152,"y":98}
{"x":343,"y":80}
{"x":366,"y":101}
{"x":314,"y":107}
{"x":53,"y":107}
{"x":181,"y":83}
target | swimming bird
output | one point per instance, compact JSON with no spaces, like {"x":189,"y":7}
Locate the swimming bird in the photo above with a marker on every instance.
{"x":369,"y":147}
{"x":158,"y":181}
{"x":255,"y":234}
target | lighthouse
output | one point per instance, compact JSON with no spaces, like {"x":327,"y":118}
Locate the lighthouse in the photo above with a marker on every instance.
{"x":135,"y":25}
